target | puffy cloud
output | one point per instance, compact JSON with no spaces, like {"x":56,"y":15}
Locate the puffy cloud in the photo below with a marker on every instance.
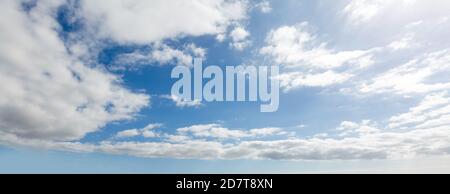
{"x":48,"y":93}
{"x":292,"y":80}
{"x":377,"y":144}
{"x":239,"y":34}
{"x":239,"y":37}
{"x":144,"y":21}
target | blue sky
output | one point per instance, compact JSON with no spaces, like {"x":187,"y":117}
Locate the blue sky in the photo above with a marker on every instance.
{"x":364,"y":86}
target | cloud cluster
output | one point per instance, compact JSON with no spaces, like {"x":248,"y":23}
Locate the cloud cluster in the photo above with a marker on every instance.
{"x":356,"y":141}
{"x":56,"y":90}
{"x":54,"y":96}
{"x":46,"y":92}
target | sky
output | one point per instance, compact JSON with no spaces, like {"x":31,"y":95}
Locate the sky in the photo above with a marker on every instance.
{"x":86,"y":86}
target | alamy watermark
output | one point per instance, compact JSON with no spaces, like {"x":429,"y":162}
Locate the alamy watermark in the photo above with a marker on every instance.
{"x":242,"y":83}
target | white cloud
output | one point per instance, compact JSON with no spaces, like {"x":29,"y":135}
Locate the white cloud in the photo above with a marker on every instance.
{"x":348,"y":128}
{"x":354,"y":141}
{"x":47,"y":93}
{"x":309,"y":63}
{"x":177,"y":138}
{"x":52,"y":99}
{"x":239,"y":34}
{"x":212,"y":130}
{"x":406,"y":42}
{"x":362,"y":11}
{"x":289,"y":81}
{"x":161,"y":54}
{"x":221,"y":37}
{"x":219,"y":132}
{"x":347,"y":125}
{"x":144,"y":21}
{"x":433,"y":110}
{"x":181,"y":102}
{"x":294,"y":46}
{"x":364,"y":146}
{"x":419,"y":76}
{"x":268,"y":131}
{"x":128,"y":133}
{"x":147,"y":131}
{"x":264,"y":6}
{"x":239,"y":37}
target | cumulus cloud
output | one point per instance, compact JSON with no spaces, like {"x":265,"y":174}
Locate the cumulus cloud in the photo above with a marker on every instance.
{"x":239,"y":37}
{"x":49,"y":94}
